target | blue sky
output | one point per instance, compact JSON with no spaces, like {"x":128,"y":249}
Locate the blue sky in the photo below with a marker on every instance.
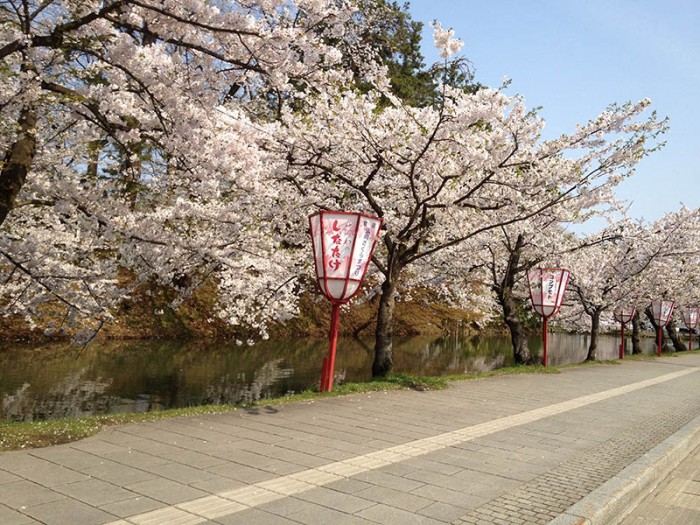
{"x":575,"y":57}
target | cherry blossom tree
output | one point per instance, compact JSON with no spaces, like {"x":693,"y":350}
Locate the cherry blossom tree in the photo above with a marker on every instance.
{"x":131,"y":136}
{"x":440,"y":176}
{"x":507,"y":254}
{"x":632,"y":264}
{"x":673,"y":275}
{"x":604,"y":272}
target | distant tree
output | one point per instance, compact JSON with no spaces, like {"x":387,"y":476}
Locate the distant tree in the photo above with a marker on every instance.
{"x":397,"y":39}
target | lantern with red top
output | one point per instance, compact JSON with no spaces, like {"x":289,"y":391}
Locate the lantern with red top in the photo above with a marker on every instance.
{"x":624,"y":316}
{"x":661,"y":311}
{"x":691,"y":315}
{"x":343,"y":244}
{"x":547,"y":287}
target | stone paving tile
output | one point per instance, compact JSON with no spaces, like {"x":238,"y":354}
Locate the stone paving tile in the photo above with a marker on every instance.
{"x":136,"y":459}
{"x":66,"y":456}
{"x":20,"y":494}
{"x":383,"y":479}
{"x":442,"y":511}
{"x":13,"y":461}
{"x":95,"y":492}
{"x":50,"y":475}
{"x":349,"y":485}
{"x":385,"y":514}
{"x":6,"y":477}
{"x":347,"y":503}
{"x":166,"y":491}
{"x":182,"y":434}
{"x":131,"y":507}
{"x":301,"y":459}
{"x":324,"y":516}
{"x":255,"y":517}
{"x":401,"y":500}
{"x":97,"y":446}
{"x":451,"y":497}
{"x":215,"y":483}
{"x":155,"y":448}
{"x":68,"y":511}
{"x":241,"y":473}
{"x":284,"y":506}
{"x":181,"y":473}
{"x":117,"y":473}
{"x":9,"y":516}
{"x":433,"y":465}
{"x":197,"y":459}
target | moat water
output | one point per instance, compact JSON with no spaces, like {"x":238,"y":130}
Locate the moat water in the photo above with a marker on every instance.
{"x":59,"y":380}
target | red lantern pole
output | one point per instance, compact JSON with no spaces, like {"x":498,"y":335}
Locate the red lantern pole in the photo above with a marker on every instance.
{"x":329,"y":361}
{"x":690,"y":339}
{"x":544,"y":341}
{"x":622,"y":340}
{"x":658,"y":341}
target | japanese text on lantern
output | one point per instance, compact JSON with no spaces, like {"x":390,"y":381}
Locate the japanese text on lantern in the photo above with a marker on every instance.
{"x":334,"y":261}
{"x":364,"y":247}
{"x":550,"y":295}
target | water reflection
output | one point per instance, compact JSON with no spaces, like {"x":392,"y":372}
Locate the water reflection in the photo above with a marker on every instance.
{"x":58,"y":381}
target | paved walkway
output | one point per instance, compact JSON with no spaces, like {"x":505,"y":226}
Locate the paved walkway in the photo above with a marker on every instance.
{"x":583,"y":446}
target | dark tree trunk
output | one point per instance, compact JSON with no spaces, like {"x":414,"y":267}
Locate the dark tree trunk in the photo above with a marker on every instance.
{"x":518,"y":337}
{"x":510,"y":307}
{"x":650,"y":316}
{"x":383,"y":349}
{"x":636,"y":337}
{"x":595,"y":328}
{"x":17,"y":162}
{"x":678,"y":345}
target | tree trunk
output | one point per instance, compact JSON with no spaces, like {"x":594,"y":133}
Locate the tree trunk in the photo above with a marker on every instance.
{"x":636,"y":337}
{"x":518,"y":337}
{"x":595,"y":328}
{"x":509,"y":305}
{"x":650,"y":316}
{"x":383,"y":349}
{"x":17,"y":162}
{"x":678,"y":345}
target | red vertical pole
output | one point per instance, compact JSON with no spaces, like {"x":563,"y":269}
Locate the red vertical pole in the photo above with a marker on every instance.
{"x":323,"y":374}
{"x":658,"y":341}
{"x":622,"y":340}
{"x":544,"y":342}
{"x":329,"y":361}
{"x":690,"y":342}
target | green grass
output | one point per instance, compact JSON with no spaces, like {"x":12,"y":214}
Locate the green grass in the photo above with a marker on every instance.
{"x":36,"y":434}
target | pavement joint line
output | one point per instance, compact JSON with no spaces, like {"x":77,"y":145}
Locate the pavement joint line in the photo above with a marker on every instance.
{"x":256,"y":494}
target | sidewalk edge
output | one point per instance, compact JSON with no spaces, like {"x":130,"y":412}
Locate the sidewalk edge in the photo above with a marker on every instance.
{"x":610,"y":502}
